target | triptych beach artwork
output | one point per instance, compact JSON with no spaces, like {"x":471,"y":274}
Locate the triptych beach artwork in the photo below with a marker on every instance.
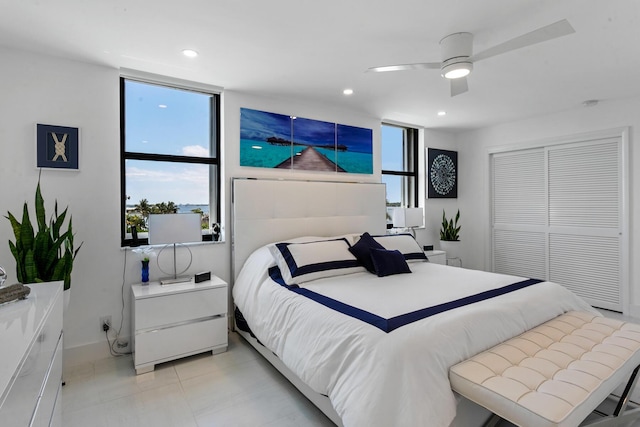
{"x":270,"y":140}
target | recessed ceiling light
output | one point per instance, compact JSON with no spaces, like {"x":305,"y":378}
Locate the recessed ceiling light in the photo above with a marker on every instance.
{"x":442,"y":113}
{"x":190,"y":53}
{"x":348,"y":91}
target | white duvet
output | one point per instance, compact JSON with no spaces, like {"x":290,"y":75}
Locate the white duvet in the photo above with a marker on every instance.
{"x":400,"y":378}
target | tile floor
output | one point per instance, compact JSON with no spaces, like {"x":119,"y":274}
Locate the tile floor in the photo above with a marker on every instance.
{"x":236,"y":388}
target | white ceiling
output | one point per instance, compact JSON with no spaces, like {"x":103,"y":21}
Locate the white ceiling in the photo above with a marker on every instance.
{"x":312,"y":50}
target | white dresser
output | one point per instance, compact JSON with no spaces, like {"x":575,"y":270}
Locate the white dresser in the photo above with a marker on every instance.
{"x":31,"y":358}
{"x":177,"y":320}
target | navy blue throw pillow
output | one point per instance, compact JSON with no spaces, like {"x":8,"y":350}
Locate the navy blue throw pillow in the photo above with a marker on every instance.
{"x":388,"y":262}
{"x":362,"y":251}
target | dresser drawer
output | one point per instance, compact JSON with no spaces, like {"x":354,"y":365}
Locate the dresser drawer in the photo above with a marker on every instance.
{"x":21,"y":401}
{"x":23,"y":394}
{"x":53,"y":381}
{"x":177,"y":341}
{"x":158,"y":311}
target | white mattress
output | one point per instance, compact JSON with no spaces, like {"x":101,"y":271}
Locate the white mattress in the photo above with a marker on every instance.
{"x":375,"y":378}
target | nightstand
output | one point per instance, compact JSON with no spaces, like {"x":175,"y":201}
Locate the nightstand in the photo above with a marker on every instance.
{"x":177,"y":320}
{"x":436,"y":256}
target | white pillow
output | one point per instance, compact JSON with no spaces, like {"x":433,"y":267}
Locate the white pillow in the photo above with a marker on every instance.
{"x":404,"y":243}
{"x":303,"y":262}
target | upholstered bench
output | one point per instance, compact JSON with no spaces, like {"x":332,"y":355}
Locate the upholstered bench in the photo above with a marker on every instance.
{"x":555,"y":374}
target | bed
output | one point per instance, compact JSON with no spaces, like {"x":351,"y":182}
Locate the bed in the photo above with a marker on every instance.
{"x":367,"y":350}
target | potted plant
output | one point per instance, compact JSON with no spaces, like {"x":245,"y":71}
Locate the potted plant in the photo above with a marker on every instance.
{"x":48,"y":254}
{"x":450,"y":235}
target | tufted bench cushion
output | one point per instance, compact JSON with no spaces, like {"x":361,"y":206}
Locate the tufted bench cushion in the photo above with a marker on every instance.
{"x":555,"y":374}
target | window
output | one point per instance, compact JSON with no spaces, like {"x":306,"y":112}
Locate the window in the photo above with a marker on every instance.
{"x":400,"y":166}
{"x":169,"y":156}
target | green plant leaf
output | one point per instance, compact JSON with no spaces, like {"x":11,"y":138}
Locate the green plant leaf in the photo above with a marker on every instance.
{"x":15,"y":225}
{"x":49,"y":254}
{"x":40,"y":213}
{"x":30,"y":270}
{"x":450,"y":230}
{"x":57,"y":224}
{"x":26,"y":230}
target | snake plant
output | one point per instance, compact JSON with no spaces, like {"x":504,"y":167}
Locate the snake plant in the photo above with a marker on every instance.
{"x":450,"y":230}
{"x":48,"y":254}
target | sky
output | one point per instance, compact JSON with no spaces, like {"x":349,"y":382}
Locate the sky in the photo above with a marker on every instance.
{"x":166,"y":121}
{"x":392,"y":159}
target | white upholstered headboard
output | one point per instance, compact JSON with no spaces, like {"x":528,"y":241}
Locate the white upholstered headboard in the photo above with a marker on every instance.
{"x":265,"y":211}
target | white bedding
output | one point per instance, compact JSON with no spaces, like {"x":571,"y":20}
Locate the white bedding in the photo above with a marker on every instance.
{"x":400,"y":378}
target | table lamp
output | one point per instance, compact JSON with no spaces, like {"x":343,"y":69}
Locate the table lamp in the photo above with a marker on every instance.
{"x":173,"y":229}
{"x":407,"y":218}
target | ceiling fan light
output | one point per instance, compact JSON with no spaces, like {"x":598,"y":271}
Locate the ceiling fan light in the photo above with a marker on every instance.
{"x":456,"y":70}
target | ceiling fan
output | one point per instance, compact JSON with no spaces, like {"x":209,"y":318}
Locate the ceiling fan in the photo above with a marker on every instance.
{"x":458,"y":58}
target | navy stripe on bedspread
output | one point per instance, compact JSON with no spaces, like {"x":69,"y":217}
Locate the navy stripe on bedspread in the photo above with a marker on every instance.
{"x":388,"y":325}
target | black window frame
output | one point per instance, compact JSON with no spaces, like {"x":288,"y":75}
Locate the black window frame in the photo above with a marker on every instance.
{"x":212,"y":160}
{"x":410,"y":159}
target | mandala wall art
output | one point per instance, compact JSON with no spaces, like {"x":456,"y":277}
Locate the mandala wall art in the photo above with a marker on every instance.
{"x":442,"y":174}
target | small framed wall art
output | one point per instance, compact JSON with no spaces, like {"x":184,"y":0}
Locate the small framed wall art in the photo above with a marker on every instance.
{"x":57,"y":147}
{"x":442,"y":174}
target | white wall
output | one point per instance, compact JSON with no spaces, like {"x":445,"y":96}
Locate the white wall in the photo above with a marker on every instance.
{"x":473,"y":158}
{"x":433,"y":207}
{"x":40,"y":89}
{"x":51,"y":91}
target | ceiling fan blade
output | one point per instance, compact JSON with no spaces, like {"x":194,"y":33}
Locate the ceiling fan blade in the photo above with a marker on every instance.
{"x":404,"y":67}
{"x":459,"y":86}
{"x":552,"y":31}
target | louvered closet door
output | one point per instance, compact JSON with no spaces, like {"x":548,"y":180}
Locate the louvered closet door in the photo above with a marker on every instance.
{"x":556,"y":215}
{"x":585,"y":221}
{"x":519,"y":214}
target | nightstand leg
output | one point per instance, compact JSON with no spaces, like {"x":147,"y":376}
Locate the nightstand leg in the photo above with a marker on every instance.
{"x":145,"y":369}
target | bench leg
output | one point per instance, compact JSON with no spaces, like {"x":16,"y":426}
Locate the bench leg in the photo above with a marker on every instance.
{"x":624,"y":399}
{"x":613,"y":421}
{"x":620,"y":415}
{"x":493,"y":421}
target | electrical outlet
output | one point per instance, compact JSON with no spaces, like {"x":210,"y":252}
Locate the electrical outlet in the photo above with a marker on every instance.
{"x":122,"y":343}
{"x":105,"y":320}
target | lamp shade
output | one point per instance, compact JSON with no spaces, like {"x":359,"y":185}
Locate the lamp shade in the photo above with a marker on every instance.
{"x":407,"y":217}
{"x":174,"y":228}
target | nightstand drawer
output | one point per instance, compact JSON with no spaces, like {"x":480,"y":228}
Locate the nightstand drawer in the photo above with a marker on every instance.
{"x":158,"y":311}
{"x":173,"y":342}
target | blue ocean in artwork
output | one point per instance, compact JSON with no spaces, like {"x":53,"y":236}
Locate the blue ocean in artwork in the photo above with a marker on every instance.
{"x":261,"y":154}
{"x":354,"y":162}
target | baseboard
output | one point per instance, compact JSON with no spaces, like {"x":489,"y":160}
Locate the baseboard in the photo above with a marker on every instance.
{"x":74,"y":356}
